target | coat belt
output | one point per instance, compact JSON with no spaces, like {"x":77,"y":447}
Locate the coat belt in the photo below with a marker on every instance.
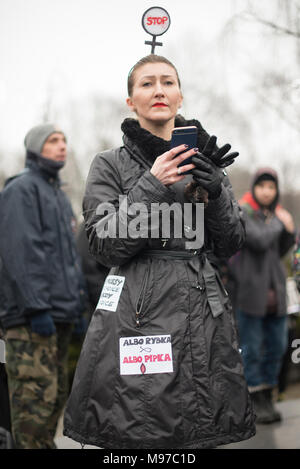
{"x":208,"y":272}
{"x":175,"y":255}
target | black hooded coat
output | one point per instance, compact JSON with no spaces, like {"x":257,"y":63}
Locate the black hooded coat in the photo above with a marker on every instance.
{"x":181,"y":382}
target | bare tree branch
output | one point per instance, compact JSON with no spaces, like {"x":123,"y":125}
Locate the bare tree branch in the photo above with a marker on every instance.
{"x":279,"y":112}
{"x":275,"y":26}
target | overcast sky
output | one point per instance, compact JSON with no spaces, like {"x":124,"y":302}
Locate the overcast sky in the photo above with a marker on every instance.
{"x":79,"y":47}
{"x":75,"y":49}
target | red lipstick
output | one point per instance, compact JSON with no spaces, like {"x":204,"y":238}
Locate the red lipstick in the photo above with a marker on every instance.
{"x":159,"y":105}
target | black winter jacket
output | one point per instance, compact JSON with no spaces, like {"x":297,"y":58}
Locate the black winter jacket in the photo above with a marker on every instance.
{"x":160,"y":365}
{"x":94,"y":273}
{"x":37,"y":247}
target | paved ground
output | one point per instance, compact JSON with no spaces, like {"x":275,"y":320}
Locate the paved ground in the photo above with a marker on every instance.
{"x":283,"y":435}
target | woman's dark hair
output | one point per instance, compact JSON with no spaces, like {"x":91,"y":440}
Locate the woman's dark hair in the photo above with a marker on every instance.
{"x":149,"y":59}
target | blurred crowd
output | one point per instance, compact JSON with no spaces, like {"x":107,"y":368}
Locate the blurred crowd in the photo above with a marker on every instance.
{"x":50,"y":286}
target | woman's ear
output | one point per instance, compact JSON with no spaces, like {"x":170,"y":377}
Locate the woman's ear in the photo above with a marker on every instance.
{"x":130,"y":104}
{"x":180,"y":101}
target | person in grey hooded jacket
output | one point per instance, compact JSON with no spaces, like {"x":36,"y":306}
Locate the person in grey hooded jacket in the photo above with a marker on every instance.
{"x":260,"y":285}
{"x":160,"y":365}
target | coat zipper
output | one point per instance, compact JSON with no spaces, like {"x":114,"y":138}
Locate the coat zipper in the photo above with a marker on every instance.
{"x":67,"y":236}
{"x":141,"y":298}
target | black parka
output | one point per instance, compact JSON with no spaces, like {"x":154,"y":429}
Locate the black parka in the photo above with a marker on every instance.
{"x":94,"y":273}
{"x":40,"y":271}
{"x":167,"y":291}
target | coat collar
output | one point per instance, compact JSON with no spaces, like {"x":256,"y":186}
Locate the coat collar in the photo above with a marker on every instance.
{"x":249,"y":202}
{"x":248,"y":199}
{"x":146,"y":147}
{"x":40,"y":165}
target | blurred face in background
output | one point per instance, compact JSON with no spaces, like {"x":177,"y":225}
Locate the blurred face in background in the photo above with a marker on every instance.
{"x":55,"y":147}
{"x":265,"y":192}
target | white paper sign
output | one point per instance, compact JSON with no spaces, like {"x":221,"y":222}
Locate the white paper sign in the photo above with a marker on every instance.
{"x":293,"y":296}
{"x":2,"y":351}
{"x":146,"y":355}
{"x":111,"y":292}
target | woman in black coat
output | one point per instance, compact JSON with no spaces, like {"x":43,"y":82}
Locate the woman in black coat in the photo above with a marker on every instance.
{"x":160,"y":366}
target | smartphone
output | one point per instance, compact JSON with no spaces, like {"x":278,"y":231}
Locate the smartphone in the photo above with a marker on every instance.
{"x":185,"y":135}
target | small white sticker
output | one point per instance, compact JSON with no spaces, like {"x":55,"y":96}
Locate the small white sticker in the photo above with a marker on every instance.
{"x":146,"y":355}
{"x":111,"y":292}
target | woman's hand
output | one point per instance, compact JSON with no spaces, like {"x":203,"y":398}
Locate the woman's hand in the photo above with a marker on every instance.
{"x":220,"y":157}
{"x":207,"y":175}
{"x":165,"y":166}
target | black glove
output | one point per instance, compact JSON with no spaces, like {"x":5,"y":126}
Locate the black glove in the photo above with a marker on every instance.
{"x":218,"y":156}
{"x":43,"y":324}
{"x":207,"y":175}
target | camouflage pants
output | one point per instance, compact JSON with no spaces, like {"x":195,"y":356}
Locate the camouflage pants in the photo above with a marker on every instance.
{"x":38,"y":384}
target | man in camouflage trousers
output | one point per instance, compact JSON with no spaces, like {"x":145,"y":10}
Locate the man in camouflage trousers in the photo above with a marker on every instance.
{"x":38,"y":384}
{"x":43,"y":288}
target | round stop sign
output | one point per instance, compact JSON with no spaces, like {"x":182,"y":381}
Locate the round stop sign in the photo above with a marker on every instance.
{"x":156,"y":21}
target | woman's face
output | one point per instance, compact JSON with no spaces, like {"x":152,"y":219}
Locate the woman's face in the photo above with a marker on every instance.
{"x":265,"y":192}
{"x":156,"y":95}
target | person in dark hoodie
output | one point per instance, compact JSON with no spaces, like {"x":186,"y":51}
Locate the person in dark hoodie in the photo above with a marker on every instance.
{"x":42,"y":281}
{"x":260,"y":298}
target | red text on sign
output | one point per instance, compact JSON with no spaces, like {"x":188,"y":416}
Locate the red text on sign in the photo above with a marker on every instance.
{"x":156,"y":20}
{"x":161,"y":357}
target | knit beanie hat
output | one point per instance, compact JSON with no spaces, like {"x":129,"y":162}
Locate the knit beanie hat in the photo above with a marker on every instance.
{"x":36,"y":137}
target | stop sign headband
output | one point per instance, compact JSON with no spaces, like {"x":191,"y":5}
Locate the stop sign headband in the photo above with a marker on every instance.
{"x":155,"y":21}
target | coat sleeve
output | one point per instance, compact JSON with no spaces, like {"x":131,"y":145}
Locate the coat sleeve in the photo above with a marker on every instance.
{"x":22,"y":247}
{"x":286,"y":242}
{"x":106,"y":210}
{"x":94,"y":273}
{"x":261,"y":235}
{"x":224,"y":222}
